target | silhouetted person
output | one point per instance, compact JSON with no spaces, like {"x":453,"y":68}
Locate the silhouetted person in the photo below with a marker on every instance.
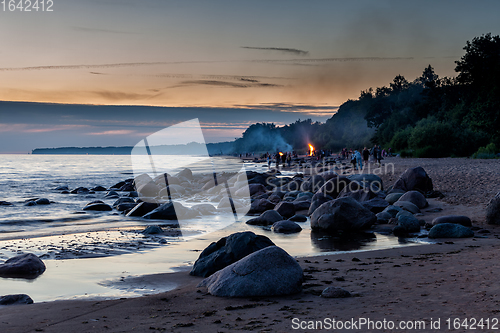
{"x":366,"y":155}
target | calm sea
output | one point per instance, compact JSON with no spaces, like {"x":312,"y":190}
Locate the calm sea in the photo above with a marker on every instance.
{"x":24,"y":177}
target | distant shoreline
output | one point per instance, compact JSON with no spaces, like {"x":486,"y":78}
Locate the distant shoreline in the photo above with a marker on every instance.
{"x":221,"y":148}
{"x":83,"y":151}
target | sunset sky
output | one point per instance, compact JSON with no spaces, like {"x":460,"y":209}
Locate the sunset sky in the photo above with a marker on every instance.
{"x":231,"y":63}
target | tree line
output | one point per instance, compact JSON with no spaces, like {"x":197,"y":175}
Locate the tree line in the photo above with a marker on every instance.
{"x":427,"y":117}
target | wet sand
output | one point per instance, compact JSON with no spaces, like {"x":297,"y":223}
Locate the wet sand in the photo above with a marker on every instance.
{"x":455,"y":279}
{"x":451,"y":279}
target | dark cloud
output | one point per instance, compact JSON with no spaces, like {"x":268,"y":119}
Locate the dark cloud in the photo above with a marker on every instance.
{"x":136,"y":64}
{"x":279,"y":49}
{"x":289,"y":107}
{"x":247,"y":84}
{"x":115,"y":65}
{"x":118,"y":95}
{"x":325,"y":60}
{"x":243,"y":77}
{"x":221,"y":77}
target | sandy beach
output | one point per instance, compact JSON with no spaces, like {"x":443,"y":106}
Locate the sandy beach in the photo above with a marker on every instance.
{"x":416,"y":285}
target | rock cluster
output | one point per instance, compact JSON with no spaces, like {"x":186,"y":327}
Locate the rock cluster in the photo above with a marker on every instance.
{"x":227,"y":251}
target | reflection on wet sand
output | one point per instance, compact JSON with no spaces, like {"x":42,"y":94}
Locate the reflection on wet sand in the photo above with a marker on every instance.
{"x":325,"y":242}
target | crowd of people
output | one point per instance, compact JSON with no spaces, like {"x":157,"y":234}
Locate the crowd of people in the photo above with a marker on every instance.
{"x":358,"y":157}
{"x":280,"y":158}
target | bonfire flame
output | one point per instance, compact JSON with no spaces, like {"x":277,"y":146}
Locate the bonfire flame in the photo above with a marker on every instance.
{"x":311,"y":149}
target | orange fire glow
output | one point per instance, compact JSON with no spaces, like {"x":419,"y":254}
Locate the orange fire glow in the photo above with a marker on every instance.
{"x":311,"y":149}
{"x":281,"y":154}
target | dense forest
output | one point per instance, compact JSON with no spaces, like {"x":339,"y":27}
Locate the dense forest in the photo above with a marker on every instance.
{"x":427,"y":117}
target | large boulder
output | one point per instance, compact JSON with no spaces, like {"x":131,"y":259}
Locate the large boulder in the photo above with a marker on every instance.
{"x":125,"y":207}
{"x":416,"y":198}
{"x":266,"y":218}
{"x":142,"y":209}
{"x":127,"y":187}
{"x":301,"y":205}
{"x":285,"y":209}
{"x":312,"y":184}
{"x":152,"y":230}
{"x":383,"y":217}
{"x":148,"y":190}
{"x":291,"y":185}
{"x":376,"y":205}
{"x":172,"y":190}
{"x":370,"y":181}
{"x":304,"y":196}
{"x":97,"y":206}
{"x":327,"y":175}
{"x":42,"y":201}
{"x":227,"y":251}
{"x":403,"y":213}
{"x":254,"y":189}
{"x":112,"y":194}
{"x":146,"y":186}
{"x":259,"y":206}
{"x":409,"y":223}
{"x":298,"y":218}
{"x":414,"y":179}
{"x":98,"y":188}
{"x":118,"y":185}
{"x":258,"y":178}
{"x":291,"y":195}
{"x":455,"y":219}
{"x":15,"y":299}
{"x":406,"y":205}
{"x":363,"y":194}
{"x":335,"y":185}
{"x":168,"y":211}
{"x":343,"y":214}
{"x":80,"y":190}
{"x":122,"y":201}
{"x":27,"y":266}
{"x":450,"y":230}
{"x":318,"y":199}
{"x":393,"y":197}
{"x":186,"y":173}
{"x":286,"y":227}
{"x":226,"y":204}
{"x":268,"y":272}
{"x":274,"y":198}
{"x":392,"y":210}
{"x":204,"y":209}
{"x":493,"y":210}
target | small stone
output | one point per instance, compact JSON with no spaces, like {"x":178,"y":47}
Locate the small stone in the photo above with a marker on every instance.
{"x":152,"y":230}
{"x":335,"y":292}
{"x":42,"y":201}
{"x":286,"y":227}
